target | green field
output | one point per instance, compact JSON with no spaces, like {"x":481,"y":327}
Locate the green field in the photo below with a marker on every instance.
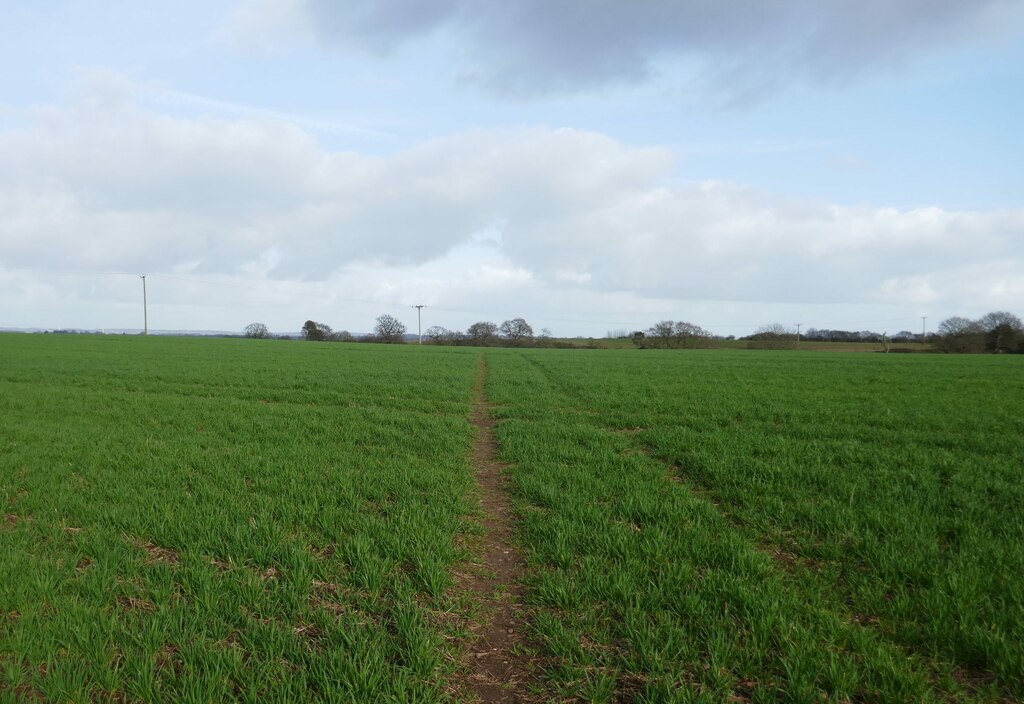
{"x":203,"y":519}
{"x":208,"y":520}
{"x":772,"y":525}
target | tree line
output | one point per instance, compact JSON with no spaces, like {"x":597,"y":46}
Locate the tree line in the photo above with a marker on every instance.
{"x":996,"y":332}
{"x":511,"y":333}
{"x":515,"y":332}
{"x":680,"y":334}
{"x":671,"y":334}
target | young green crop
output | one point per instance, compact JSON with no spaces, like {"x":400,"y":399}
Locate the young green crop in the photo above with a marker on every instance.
{"x":196,"y":520}
{"x":202,"y":520}
{"x":706,"y":525}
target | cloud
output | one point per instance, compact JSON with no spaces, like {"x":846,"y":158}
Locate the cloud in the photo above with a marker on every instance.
{"x":266,"y":26}
{"x":536,"y":47}
{"x":107,"y":185}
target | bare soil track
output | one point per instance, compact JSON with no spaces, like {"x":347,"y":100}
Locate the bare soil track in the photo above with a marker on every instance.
{"x":498,"y":665}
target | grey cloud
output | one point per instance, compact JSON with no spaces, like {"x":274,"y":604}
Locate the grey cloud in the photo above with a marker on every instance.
{"x":534,"y":47}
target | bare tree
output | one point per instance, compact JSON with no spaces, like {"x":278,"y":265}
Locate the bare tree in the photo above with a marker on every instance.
{"x":960,"y":334}
{"x":544,"y":338}
{"x":440,"y":335}
{"x":1004,"y":332}
{"x":998,"y":331}
{"x":482,"y":333}
{"x":516,"y":331}
{"x":957,"y":325}
{"x":774,"y":329}
{"x":257,"y":331}
{"x":690,"y":335}
{"x":660,"y":334}
{"x":389,"y":329}
{"x":996,"y":319}
{"x":773,"y":337}
{"x":669,"y":333}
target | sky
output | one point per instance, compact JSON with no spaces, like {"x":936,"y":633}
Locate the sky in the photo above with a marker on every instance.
{"x":590,"y":166}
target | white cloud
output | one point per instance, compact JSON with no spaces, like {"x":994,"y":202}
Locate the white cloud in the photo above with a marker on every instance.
{"x":532,"y":216}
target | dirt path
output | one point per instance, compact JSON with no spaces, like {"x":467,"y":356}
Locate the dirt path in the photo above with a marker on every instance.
{"x":497,"y":664}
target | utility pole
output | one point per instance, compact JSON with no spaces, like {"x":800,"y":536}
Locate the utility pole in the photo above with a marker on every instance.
{"x":798,"y":334}
{"x":923,"y":318}
{"x":145,"y":307}
{"x":419,"y":321}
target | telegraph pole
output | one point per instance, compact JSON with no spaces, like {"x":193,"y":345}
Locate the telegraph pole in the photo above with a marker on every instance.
{"x":923,"y":318}
{"x":798,"y":334}
{"x":419,"y":321}
{"x":145,"y":307}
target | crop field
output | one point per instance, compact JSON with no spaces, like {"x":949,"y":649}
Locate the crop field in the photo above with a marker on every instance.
{"x":211,"y":520}
{"x":765,"y":526}
{"x":200,"y":520}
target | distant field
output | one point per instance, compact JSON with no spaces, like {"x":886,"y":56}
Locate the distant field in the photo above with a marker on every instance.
{"x":805,"y":345}
{"x":206,"y":520}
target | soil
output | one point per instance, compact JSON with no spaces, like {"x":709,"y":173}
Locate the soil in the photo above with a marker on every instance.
{"x":497,"y":666}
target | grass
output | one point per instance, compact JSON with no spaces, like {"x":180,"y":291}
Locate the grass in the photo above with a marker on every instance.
{"x":207,"y":520}
{"x":707,"y":525}
{"x":196,"y":520}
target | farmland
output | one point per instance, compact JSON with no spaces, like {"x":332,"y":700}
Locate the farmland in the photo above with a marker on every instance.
{"x":196,"y":520}
{"x":772,"y":525}
{"x":206,"y":520}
